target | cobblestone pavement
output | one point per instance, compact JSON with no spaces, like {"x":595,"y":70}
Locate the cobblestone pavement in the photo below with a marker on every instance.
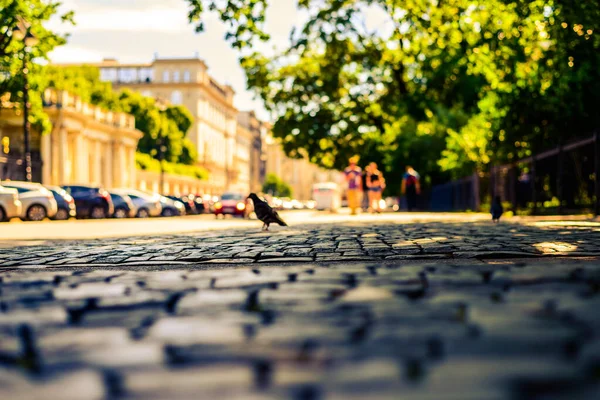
{"x":380,"y":311}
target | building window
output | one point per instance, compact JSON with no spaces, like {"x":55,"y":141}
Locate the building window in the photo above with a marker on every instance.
{"x":175,"y":76}
{"x":176,"y":97}
{"x":146,"y":75}
{"x":108,"y":74}
{"x":165,"y":76}
{"x":186,"y":76}
{"x":127,"y":75}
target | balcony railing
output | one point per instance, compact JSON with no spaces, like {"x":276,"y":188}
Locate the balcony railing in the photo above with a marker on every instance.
{"x":68,"y":101}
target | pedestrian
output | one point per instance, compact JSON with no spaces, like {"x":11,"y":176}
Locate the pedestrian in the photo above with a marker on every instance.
{"x":354,"y":184}
{"x":375,"y":186}
{"x":411,"y":187}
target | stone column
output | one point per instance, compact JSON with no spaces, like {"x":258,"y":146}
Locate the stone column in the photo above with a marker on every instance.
{"x":131,"y":166}
{"x":54,"y":157}
{"x":97,"y":167}
{"x":63,"y":154}
{"x":121,"y":176}
{"x":108,"y":167}
{"x":46,"y":153}
{"x":80,"y":159}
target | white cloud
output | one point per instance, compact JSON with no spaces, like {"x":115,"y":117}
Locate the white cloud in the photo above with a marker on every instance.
{"x":74,"y":54}
{"x":157,"y":19}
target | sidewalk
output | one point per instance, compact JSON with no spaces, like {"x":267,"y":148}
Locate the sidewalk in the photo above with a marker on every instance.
{"x":352,"y":310}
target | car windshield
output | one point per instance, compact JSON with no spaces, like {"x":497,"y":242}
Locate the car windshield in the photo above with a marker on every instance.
{"x":19,"y":189}
{"x":232,"y":196}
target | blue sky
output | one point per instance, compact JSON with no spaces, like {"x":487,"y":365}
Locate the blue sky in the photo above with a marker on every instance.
{"x":133,"y":30}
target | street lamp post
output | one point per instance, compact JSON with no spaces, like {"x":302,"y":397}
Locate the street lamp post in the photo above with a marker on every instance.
{"x":22,"y":32}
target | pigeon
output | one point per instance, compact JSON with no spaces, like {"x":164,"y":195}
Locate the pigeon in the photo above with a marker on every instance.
{"x":265,"y":213}
{"x":496,"y":209}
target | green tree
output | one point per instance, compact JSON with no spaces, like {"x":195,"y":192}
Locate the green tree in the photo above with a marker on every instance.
{"x":182,"y":117}
{"x":85,"y":82}
{"x":449,"y":87}
{"x":32,"y":14}
{"x":274,"y":186}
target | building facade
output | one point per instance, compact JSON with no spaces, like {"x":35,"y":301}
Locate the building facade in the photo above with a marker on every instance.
{"x":255,"y":131}
{"x":185,"y":81}
{"x":87,"y":145}
{"x":299,"y":173}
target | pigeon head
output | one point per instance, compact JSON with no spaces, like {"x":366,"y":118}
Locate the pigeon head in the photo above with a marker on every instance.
{"x":253,"y":196}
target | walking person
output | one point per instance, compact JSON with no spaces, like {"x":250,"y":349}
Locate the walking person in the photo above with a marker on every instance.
{"x":353,"y":175}
{"x":411,"y":187}
{"x":375,"y":186}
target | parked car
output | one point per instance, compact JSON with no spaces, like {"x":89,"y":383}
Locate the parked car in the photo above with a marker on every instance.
{"x":147,"y":204}
{"x":310,"y":204}
{"x":188,"y":203}
{"x":286,"y":203}
{"x":276,"y":203}
{"x":199,"y":203}
{"x":124,"y":207}
{"x":171,"y":208}
{"x":65,"y":203}
{"x":208,"y":202}
{"x":234,"y":204}
{"x":37,"y":202}
{"x":91,"y":201}
{"x":297,"y":205}
{"x":10,"y":205}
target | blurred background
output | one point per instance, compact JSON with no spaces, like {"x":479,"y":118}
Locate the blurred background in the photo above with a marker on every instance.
{"x":179,"y":107}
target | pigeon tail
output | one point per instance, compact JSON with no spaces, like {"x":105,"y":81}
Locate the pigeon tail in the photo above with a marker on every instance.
{"x":281,"y":222}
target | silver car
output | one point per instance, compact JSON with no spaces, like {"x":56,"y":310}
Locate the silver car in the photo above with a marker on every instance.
{"x":37,"y":202}
{"x":10,"y":205}
{"x":147,"y":204}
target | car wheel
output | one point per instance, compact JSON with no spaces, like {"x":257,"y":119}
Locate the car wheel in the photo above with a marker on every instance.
{"x":61,"y":215}
{"x":143,"y":213}
{"x":98,"y":213}
{"x":36,"y":212}
{"x":168,"y":212}
{"x":120,"y":213}
{"x":2,"y":215}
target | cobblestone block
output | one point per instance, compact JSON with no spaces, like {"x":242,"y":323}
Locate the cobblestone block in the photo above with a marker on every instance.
{"x":377,"y":311}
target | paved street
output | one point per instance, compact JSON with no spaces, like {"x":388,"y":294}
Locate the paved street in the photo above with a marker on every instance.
{"x":107,"y":228}
{"x":382,"y":307}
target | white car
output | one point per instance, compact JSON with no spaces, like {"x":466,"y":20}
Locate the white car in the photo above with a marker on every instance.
{"x":37,"y":202}
{"x":10,"y":205}
{"x":147,"y":204}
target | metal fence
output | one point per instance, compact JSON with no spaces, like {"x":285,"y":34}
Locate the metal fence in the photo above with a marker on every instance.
{"x":565,"y":179}
{"x":459,"y":195}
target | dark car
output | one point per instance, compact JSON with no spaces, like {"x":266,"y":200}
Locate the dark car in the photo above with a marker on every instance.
{"x":170,"y":207}
{"x":65,"y":202}
{"x":91,"y":201}
{"x":234,"y":204}
{"x":199,"y":203}
{"x":124,"y":207}
{"x":190,"y":205}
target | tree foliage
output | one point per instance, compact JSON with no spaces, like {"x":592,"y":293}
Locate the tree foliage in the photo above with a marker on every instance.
{"x":146,"y":162}
{"x":275,"y":186}
{"x":13,"y":52}
{"x":448,"y":86}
